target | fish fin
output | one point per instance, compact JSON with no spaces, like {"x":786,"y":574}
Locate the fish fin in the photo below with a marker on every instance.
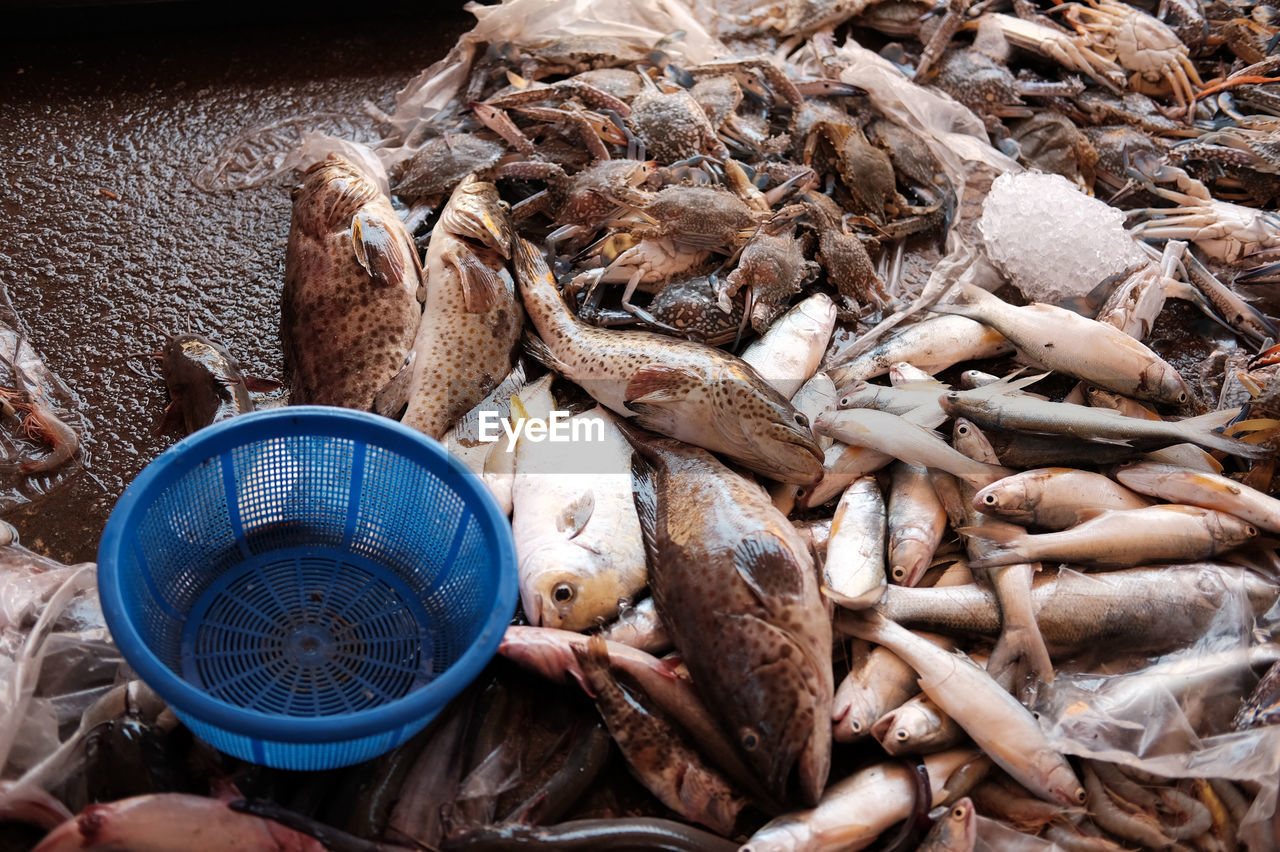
{"x":1091,"y":303}
{"x":1214,"y":419}
{"x":926,"y":416}
{"x":376,"y":249}
{"x":593,"y":661}
{"x":172,"y":417}
{"x":498,"y":462}
{"x":518,"y":411}
{"x":394,"y":396}
{"x":768,"y":567}
{"x":573,"y":519}
{"x":968,"y":303}
{"x":1088,"y":514}
{"x":997,"y":531}
{"x":536,"y":349}
{"x":658,"y":384}
{"x":922,"y":385}
{"x":481,"y":285}
{"x":645,"y":494}
{"x":995,"y":557}
{"x":868,"y":624}
{"x":257,"y":384}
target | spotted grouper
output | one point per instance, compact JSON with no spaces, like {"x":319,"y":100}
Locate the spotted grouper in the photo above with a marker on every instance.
{"x":467,"y":341}
{"x":679,"y":388}
{"x":351,"y":283}
{"x":736,"y":588}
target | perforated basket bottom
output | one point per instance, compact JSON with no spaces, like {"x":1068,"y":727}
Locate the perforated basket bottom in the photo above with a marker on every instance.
{"x":307,"y":631}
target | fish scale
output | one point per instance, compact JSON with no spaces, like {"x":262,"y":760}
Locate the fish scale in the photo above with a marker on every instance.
{"x":736,"y":588}
{"x":472,"y":322}
{"x":682,"y":389}
{"x":350,"y":306}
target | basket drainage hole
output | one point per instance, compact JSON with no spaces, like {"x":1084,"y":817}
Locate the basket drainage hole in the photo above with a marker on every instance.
{"x":309,"y":645}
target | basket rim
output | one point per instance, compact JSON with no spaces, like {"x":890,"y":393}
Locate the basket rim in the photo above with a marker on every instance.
{"x":211,"y":441}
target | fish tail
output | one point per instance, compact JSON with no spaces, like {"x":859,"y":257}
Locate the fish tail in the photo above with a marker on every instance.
{"x":593,"y":657}
{"x":995,"y":557}
{"x":969,"y":302}
{"x":1203,"y":430}
{"x":536,"y":349}
{"x":992,"y":530}
{"x":1020,"y":650}
{"x":864,"y":624}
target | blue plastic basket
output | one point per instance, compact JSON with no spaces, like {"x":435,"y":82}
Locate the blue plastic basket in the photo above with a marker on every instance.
{"x":307,"y":587}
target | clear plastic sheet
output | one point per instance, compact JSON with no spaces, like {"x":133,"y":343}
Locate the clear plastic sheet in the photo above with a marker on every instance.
{"x":16,"y":446}
{"x":995,"y":836}
{"x":262,"y":153}
{"x":1171,"y":716}
{"x":954,"y":134}
{"x":19,"y":678}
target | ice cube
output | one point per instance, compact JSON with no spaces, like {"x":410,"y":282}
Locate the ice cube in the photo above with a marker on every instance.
{"x":1051,"y":240}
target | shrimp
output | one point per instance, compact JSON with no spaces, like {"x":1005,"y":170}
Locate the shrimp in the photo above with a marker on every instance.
{"x":40,"y":423}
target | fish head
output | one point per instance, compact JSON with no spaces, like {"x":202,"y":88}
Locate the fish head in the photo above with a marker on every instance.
{"x":476,"y":211}
{"x":332,"y":191}
{"x":1160,"y":382}
{"x":1228,"y":531}
{"x":570,"y":587}
{"x":1062,"y":784}
{"x":779,"y":715}
{"x":769,"y":436}
{"x":858,"y":395}
{"x":959,"y":827}
{"x":904,"y":729}
{"x":853,"y":713}
{"x":1009,"y":498}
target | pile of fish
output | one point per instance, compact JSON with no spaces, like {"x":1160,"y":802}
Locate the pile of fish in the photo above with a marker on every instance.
{"x":888,"y":437}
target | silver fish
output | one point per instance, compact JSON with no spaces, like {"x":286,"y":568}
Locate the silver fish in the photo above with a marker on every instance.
{"x":996,"y":721}
{"x":853,"y":572}
{"x":1064,"y":341}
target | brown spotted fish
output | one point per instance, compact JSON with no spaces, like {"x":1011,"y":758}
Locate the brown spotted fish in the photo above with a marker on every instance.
{"x":467,"y":341}
{"x":736,"y":588}
{"x":659,"y":754}
{"x":685,"y":390}
{"x":351,"y":284}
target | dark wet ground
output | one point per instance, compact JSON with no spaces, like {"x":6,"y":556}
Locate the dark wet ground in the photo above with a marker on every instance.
{"x":108,"y":247}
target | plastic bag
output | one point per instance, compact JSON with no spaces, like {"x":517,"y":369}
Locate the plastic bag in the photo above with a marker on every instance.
{"x":1172,"y":716}
{"x":18,"y":680}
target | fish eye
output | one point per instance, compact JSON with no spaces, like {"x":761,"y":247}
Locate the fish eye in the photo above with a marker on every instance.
{"x":901,"y":735}
{"x":962,"y":430}
{"x":989,"y":500}
{"x":801,"y":419}
{"x":1080,"y":795}
{"x":856,"y":727}
{"x":959,"y":812}
{"x":1182,"y":397}
{"x":899,"y":572}
{"x":562,"y":593}
{"x":1251,"y":530}
{"x":844,"y":400}
{"x":750,"y":741}
{"x":953,"y":395}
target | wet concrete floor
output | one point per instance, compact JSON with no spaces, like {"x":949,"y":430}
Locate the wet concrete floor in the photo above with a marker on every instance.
{"x":108,"y":247}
